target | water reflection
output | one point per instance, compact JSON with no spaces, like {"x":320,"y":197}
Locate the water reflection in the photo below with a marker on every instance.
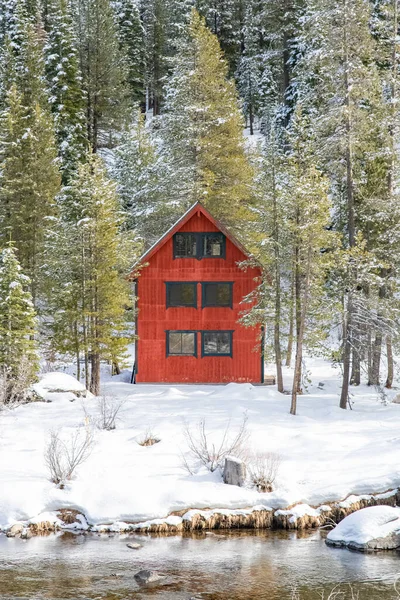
{"x":214,"y":566}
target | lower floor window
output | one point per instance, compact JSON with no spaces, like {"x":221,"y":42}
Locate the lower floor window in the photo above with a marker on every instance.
{"x":217,"y":343}
{"x":181,"y":343}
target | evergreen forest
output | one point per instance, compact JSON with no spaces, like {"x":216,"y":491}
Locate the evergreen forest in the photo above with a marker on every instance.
{"x":280,"y":116}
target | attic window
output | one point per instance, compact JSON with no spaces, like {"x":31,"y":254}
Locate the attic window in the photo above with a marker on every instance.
{"x":199,"y":245}
{"x":185,"y":245}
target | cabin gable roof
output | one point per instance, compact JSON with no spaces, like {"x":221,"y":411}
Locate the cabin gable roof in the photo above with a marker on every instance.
{"x":195,"y":208}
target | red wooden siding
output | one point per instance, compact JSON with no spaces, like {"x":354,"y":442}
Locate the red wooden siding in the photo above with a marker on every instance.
{"x":154,"y":318}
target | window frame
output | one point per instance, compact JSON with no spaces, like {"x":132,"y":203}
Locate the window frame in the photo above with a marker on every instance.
{"x":200,"y":236}
{"x":203,"y":294}
{"x":169,"y":284}
{"x":168,"y":331}
{"x":215,"y":354}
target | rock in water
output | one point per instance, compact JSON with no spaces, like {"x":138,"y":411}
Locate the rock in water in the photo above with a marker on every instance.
{"x":234,"y":471}
{"x":16,"y":529}
{"x":134,"y":546}
{"x":144,"y":577}
{"x":371,"y":528}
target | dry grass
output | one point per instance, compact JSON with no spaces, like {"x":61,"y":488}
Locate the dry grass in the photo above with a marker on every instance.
{"x":148,"y":438}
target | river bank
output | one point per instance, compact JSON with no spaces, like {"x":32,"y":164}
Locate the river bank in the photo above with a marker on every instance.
{"x":298,"y":517}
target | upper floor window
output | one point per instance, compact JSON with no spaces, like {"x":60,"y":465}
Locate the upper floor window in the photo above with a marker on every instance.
{"x":185,"y":245}
{"x":199,"y":245}
{"x":181,"y":293}
{"x":217,"y":294}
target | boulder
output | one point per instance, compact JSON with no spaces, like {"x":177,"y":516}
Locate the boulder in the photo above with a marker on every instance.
{"x":145,"y":577}
{"x":26,"y":534}
{"x":134,"y":546}
{"x":234,"y":471}
{"x":371,"y":528}
{"x":16,"y":529}
{"x":53,"y":386}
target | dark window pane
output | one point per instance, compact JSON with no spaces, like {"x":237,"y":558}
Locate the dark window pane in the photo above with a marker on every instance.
{"x":217,"y":294}
{"x":181,"y":343}
{"x":181,"y":294}
{"x":217,"y":342}
{"x":213,"y":244}
{"x":185,"y":245}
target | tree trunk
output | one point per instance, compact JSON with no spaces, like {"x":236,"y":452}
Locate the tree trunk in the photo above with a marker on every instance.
{"x":346,"y":356}
{"x":390,"y":370}
{"x":376,"y":359}
{"x":355,"y":377}
{"x":369,"y":356}
{"x":300,"y":337}
{"x":291,"y":325}
{"x":95,"y":373}
{"x":351,"y":223}
{"x":277,"y":340}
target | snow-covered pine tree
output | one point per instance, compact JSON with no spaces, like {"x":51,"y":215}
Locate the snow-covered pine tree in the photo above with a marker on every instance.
{"x":18,"y":356}
{"x":65,"y":86}
{"x":308,"y":215}
{"x":29,"y":173}
{"x":274,"y":248}
{"x":154,"y":23}
{"x":250,"y":68}
{"x":202,"y":127}
{"x":103,"y":70}
{"x":143,"y":178}
{"x":345,"y":101}
{"x":132,"y":43}
{"x":225,"y":19}
{"x":91,"y":266}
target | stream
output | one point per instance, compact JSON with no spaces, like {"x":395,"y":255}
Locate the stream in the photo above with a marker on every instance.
{"x":245,"y":565}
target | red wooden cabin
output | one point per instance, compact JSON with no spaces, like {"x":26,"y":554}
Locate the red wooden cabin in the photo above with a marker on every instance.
{"x":189,"y":295}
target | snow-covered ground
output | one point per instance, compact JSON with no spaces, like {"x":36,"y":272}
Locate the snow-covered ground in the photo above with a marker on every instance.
{"x":327,"y":453}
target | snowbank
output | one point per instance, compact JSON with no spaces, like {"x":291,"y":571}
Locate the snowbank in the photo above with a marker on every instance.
{"x":372,"y":528}
{"x":54,"y":385}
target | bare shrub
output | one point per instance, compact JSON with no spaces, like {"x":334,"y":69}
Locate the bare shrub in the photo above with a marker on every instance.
{"x":148,"y":438}
{"x":15,"y":386}
{"x":64,"y":456}
{"x":210,"y":454}
{"x":108,"y":412}
{"x":264,"y":469}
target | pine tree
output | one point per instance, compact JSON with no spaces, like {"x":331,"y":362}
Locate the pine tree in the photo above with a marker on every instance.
{"x":313,"y":242}
{"x":249,"y":71}
{"x":18,"y":357}
{"x":131,"y":37}
{"x":29,"y":174}
{"x":103,"y":69}
{"x":154,"y":23}
{"x":203,"y":127}
{"x":225,"y":19}
{"x":95,"y":292}
{"x":142,"y":177}
{"x":346,"y":109}
{"x":65,"y":87}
